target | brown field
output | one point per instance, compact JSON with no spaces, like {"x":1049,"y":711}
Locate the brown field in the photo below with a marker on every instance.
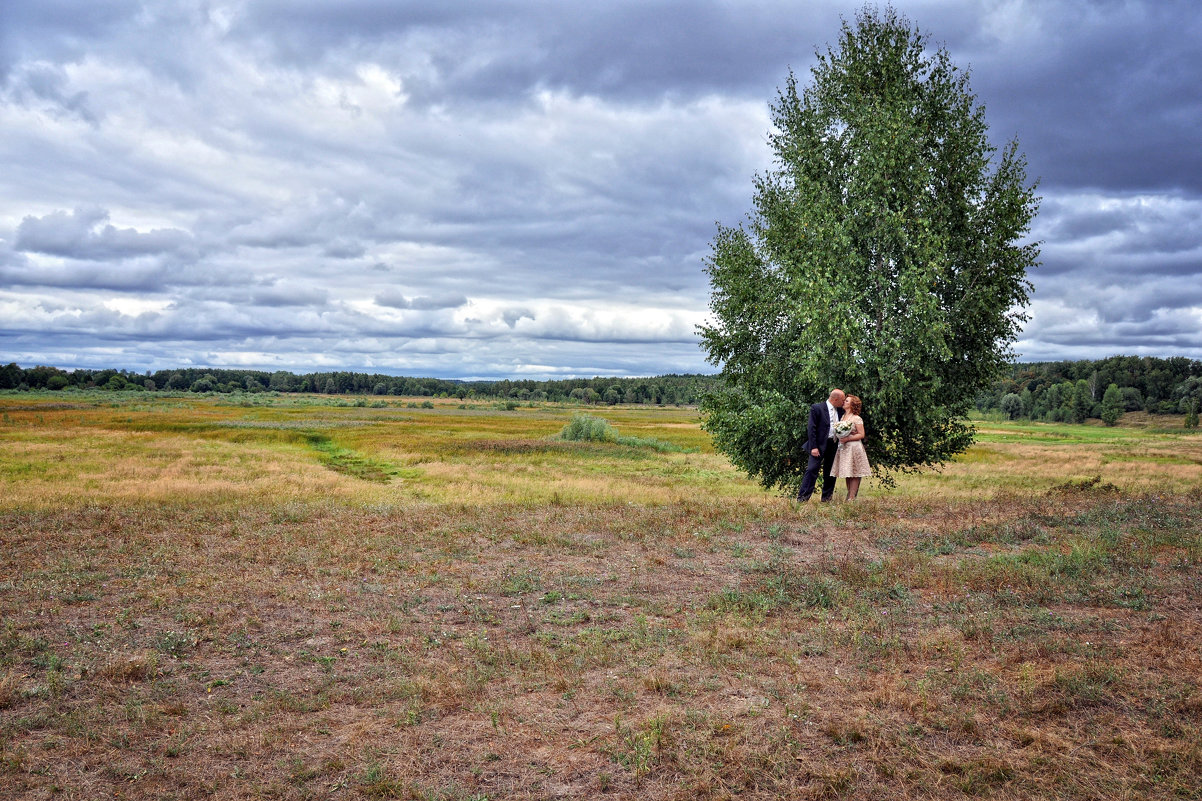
{"x":284,"y":597}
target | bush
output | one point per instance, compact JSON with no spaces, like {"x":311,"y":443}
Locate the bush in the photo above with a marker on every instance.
{"x":586,"y":428}
{"x":1133,"y":399}
{"x":1011,"y":405}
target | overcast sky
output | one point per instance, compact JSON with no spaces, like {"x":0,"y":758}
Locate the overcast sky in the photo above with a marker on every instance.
{"x":515,"y":188}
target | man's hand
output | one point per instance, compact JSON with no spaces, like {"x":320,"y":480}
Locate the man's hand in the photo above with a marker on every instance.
{"x":815,"y":452}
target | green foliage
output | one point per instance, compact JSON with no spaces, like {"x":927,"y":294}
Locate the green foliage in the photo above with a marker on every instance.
{"x":882,"y":256}
{"x":586,"y":428}
{"x":205,"y":383}
{"x":1081,"y":404}
{"x":671,"y":389}
{"x":654,"y":444}
{"x":1147,"y":383}
{"x":1112,"y":405}
{"x":1012,"y":406}
{"x":1188,"y":394}
{"x":1191,"y":419}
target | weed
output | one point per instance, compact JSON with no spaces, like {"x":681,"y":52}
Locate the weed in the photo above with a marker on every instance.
{"x":175,"y":643}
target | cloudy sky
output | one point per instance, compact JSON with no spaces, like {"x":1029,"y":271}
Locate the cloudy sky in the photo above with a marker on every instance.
{"x":525,"y":187}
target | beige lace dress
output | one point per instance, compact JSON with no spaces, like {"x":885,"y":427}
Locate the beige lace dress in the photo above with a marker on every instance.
{"x":851,"y":460}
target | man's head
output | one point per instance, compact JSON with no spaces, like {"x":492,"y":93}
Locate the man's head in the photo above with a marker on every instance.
{"x":836,"y":398}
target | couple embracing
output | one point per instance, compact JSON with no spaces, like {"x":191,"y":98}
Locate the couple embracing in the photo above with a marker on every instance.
{"x":835,"y":435}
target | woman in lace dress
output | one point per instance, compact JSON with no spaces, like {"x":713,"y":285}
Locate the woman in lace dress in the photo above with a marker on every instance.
{"x":851,"y":460}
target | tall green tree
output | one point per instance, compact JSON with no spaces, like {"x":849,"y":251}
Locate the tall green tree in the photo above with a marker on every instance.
{"x":1081,"y":406}
{"x":884,"y":254}
{"x":1112,"y":405}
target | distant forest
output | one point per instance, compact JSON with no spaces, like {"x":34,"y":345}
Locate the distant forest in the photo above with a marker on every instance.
{"x":664,"y":389}
{"x":1104,"y":389}
{"x":1068,"y":391}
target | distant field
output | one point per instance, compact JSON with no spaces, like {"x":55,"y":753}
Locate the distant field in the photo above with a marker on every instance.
{"x":300,"y":597}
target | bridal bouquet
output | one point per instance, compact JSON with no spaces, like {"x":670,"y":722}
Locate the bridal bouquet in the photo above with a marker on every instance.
{"x":844,"y":428}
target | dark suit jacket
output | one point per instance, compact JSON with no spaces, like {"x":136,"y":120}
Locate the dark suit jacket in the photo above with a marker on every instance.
{"x":819,"y":426}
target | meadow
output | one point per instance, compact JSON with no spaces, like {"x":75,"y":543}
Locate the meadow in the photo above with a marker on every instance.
{"x":285,"y":596}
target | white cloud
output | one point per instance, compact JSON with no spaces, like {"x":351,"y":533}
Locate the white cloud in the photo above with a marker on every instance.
{"x":135,"y":307}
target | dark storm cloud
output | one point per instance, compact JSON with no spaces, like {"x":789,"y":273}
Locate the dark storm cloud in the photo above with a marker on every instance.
{"x":81,"y":235}
{"x":634,"y":49}
{"x":57,"y":27}
{"x":123,"y":277}
{"x":287,"y":294}
{"x":1101,"y":94}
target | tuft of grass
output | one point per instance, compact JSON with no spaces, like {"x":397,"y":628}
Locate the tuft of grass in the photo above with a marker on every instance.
{"x":134,"y":667}
{"x":9,"y":684}
{"x":586,"y":428}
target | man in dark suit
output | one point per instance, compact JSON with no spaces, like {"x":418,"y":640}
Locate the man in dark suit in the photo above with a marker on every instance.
{"x":821,"y":444}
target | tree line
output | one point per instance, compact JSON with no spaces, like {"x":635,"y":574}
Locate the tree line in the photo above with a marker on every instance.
{"x":1075,"y":391}
{"x":671,"y":389}
{"x":1064,"y":391}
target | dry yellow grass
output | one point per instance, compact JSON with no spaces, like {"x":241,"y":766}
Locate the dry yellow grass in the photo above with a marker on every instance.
{"x":307,"y":601}
{"x":86,"y":451}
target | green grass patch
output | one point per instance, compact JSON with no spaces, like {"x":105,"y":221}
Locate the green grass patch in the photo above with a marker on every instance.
{"x":344,"y":460}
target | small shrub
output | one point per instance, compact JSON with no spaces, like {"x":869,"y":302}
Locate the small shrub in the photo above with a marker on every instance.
{"x":586,"y":428}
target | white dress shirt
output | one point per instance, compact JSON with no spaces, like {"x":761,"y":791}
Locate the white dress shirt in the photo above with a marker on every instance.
{"x":834,"y":416}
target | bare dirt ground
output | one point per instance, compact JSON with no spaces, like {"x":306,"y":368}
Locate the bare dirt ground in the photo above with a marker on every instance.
{"x":1044,"y":645}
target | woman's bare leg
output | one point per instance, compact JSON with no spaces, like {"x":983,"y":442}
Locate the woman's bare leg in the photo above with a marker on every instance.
{"x":853,"y":488}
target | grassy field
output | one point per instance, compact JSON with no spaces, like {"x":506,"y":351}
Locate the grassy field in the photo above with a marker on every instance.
{"x":299,"y":597}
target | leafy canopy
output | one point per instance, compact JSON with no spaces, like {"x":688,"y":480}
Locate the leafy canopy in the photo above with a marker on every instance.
{"x":884,"y":255}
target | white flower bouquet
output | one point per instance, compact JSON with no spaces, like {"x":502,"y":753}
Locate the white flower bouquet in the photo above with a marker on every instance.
{"x":844,"y":428}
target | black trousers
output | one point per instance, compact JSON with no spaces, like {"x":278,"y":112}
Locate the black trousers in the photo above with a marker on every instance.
{"x":825,"y":462}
